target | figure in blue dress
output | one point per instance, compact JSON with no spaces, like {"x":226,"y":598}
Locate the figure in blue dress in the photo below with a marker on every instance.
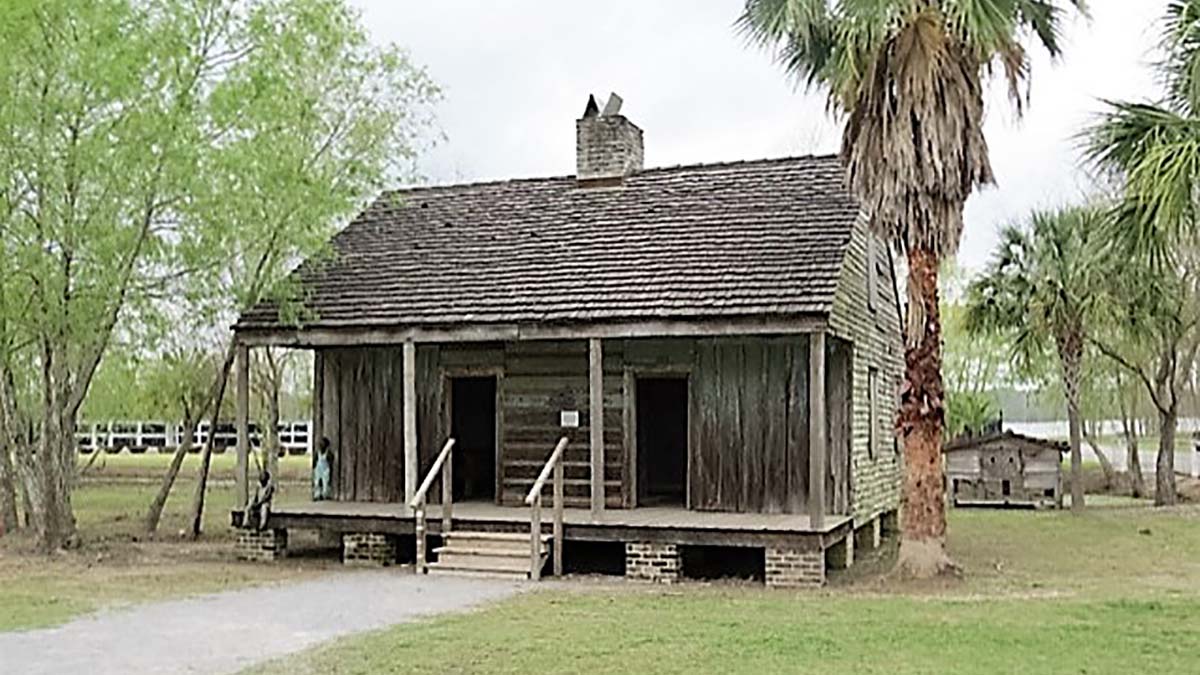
{"x":322,"y":472}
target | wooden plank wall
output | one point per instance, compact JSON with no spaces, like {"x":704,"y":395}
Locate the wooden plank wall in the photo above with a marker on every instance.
{"x":540,"y":380}
{"x":363,"y":420}
{"x":748,"y":417}
{"x":749,"y":425}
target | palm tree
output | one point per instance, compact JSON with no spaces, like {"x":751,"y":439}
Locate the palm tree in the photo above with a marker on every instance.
{"x":1041,"y":289}
{"x":909,"y":77}
{"x":1152,"y":149}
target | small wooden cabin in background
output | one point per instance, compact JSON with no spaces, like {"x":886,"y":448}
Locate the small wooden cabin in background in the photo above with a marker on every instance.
{"x":1004,"y":468}
{"x":718,"y":344}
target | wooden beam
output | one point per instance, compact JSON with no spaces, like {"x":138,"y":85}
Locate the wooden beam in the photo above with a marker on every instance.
{"x":818,"y":446}
{"x":596,"y":424}
{"x":242,"y":421}
{"x":410,"y":420}
{"x":509,"y":332}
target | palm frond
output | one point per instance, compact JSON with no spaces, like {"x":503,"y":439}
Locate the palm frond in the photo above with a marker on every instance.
{"x":1180,"y":67}
{"x":1156,"y":151}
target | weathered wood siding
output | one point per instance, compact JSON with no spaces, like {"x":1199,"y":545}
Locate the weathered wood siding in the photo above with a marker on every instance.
{"x":747,"y":418}
{"x":876,"y":339}
{"x":362,"y":416}
{"x":541,"y":379}
{"x":747,"y":410}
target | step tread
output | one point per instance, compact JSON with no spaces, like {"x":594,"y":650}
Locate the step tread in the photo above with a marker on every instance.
{"x":522,"y":553}
{"x":484,"y":563}
{"x":494,"y":536}
{"x":441,"y":566}
{"x":478,"y":574}
{"x":572,"y":482}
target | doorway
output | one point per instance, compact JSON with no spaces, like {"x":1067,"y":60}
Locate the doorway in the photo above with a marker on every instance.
{"x":473,"y":426}
{"x":662,"y":440}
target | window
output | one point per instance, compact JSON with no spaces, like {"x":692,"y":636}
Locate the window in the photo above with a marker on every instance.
{"x":872,"y":272}
{"x":872,"y":410}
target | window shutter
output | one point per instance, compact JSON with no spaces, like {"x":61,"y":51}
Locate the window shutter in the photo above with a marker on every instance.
{"x":872,"y":272}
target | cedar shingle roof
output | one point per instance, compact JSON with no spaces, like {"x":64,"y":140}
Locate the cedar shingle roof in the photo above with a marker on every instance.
{"x":971,"y":442}
{"x":706,"y":241}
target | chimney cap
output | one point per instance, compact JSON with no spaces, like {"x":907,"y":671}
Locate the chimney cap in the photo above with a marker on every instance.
{"x":592,"y":110}
{"x":613,"y":107}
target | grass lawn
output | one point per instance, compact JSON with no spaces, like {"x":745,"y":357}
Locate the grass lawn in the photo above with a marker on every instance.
{"x":117,"y":565}
{"x":1114,"y":591}
{"x":149,"y":466}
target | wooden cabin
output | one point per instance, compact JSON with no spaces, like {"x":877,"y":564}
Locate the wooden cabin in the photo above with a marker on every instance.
{"x":1004,"y":469}
{"x":695,"y":358}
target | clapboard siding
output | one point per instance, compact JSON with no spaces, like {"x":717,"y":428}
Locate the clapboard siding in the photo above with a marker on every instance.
{"x":874,"y":334}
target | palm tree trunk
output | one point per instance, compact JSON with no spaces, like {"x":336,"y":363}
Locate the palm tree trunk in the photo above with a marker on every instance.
{"x":1071,"y":353}
{"x":921,"y":419}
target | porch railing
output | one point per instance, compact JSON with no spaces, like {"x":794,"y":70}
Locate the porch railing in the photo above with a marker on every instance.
{"x":534,"y":500}
{"x":444,"y":464}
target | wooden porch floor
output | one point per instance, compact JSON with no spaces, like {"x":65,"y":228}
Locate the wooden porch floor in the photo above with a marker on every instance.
{"x":655,"y":522}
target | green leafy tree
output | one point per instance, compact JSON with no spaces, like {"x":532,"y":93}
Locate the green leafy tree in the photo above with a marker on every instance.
{"x":305,"y":127}
{"x":147,"y":141}
{"x":1040,"y":291}
{"x":99,"y":99}
{"x":909,"y":77}
{"x":1156,"y":315}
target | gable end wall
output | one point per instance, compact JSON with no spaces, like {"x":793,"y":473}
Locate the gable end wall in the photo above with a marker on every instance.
{"x":876,"y":336}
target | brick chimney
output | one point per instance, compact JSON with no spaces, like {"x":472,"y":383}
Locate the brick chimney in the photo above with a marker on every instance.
{"x":608,"y":147}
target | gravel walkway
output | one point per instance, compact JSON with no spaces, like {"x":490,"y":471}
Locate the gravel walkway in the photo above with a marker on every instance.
{"x":226,"y":632}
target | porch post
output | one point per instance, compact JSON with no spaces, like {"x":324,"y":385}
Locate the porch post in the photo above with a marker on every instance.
{"x":410,"y":420}
{"x":316,"y":429}
{"x":242,"y":421}
{"x":596,"y":424}
{"x":818,"y":445}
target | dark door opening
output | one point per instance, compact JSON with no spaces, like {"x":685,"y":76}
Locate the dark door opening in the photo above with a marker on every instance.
{"x":662,"y":439}
{"x":473,"y":426}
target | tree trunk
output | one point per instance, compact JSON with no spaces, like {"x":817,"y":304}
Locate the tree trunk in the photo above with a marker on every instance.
{"x":1129,"y":427}
{"x":154,"y":513}
{"x":196,"y":516}
{"x":1106,"y":465}
{"x":8,"y":490}
{"x":272,"y":444}
{"x":1164,"y":470}
{"x":8,"y":475}
{"x":920,"y":423}
{"x":56,"y":456}
{"x":1070,"y":353}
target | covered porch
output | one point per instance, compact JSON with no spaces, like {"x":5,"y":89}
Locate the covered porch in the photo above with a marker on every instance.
{"x":761,"y":458}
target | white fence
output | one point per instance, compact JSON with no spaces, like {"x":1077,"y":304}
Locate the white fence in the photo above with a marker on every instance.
{"x":295,"y":437}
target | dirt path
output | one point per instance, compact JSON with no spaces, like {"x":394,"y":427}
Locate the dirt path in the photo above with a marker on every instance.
{"x":226,"y":632}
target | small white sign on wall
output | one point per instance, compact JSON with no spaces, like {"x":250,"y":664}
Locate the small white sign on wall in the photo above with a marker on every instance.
{"x":568,"y":419}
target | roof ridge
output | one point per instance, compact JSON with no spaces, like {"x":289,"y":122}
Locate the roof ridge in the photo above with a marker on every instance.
{"x":440,"y":187}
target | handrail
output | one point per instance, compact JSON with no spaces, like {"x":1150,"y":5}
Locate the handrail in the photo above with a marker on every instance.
{"x":419,"y":495}
{"x":545,"y":474}
{"x":534,"y":500}
{"x":418,"y":502}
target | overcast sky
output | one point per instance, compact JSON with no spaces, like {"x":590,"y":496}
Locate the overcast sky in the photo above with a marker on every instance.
{"x":517,"y":74}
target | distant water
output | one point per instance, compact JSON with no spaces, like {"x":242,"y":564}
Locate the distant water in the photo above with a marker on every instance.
{"x":1058,"y":428}
{"x":1185,"y":462}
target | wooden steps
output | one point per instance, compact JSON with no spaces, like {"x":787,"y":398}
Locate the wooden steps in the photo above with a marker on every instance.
{"x":495,"y":554}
